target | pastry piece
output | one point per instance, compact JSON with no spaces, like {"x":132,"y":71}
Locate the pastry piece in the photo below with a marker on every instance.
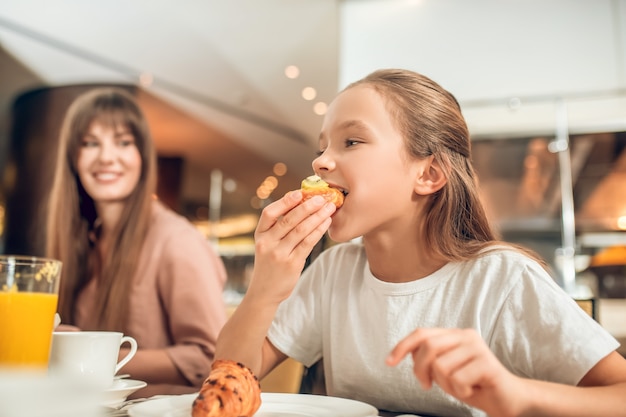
{"x":314,"y":185}
{"x":230,"y":390}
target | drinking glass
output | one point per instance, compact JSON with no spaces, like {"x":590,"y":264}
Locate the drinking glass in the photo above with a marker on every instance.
{"x":29,"y":288}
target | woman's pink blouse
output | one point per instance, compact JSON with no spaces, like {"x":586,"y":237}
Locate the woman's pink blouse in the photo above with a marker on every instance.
{"x":176,"y":300}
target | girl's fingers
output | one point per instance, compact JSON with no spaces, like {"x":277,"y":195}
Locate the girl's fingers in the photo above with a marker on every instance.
{"x":441,"y":356}
{"x":409,"y":344}
{"x":284,"y":215}
{"x":289,"y":229}
{"x":297,"y":227}
{"x":424,"y":345}
{"x":449,"y":367}
{"x":278,"y":209}
{"x":303,"y":247}
{"x":473,"y":365}
{"x":286,"y":233}
{"x":462,"y":382}
{"x":427,"y":355}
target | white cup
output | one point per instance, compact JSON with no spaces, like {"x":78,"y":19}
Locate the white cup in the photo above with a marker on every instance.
{"x":89,"y":356}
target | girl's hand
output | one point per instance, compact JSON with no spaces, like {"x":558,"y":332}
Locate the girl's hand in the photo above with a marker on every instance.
{"x":285,"y":235}
{"x":459,"y":361}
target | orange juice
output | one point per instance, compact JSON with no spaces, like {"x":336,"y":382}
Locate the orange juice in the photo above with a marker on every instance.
{"x":26,"y":325}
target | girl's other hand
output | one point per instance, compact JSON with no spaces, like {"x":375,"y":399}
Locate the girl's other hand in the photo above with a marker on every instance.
{"x":285,"y":235}
{"x":460,"y":362}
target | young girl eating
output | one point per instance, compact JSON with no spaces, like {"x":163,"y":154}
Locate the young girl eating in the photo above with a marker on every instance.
{"x":429,"y":313}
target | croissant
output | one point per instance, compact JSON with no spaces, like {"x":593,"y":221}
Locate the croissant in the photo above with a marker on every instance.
{"x":314,"y":185}
{"x":230,"y":390}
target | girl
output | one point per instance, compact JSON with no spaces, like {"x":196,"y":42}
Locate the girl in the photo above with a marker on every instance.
{"x":430,"y":313}
{"x":129,"y":263}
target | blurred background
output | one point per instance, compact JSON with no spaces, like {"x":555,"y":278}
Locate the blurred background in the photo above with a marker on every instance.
{"x":235,"y":92}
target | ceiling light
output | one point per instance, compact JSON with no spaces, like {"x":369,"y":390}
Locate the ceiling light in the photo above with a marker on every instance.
{"x":146,"y":79}
{"x":292,"y":72}
{"x":320,"y":108}
{"x":230,"y":185}
{"x":515,"y":103}
{"x":309,"y":93}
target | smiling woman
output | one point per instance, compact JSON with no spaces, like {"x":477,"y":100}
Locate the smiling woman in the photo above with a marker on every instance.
{"x":130,"y":264}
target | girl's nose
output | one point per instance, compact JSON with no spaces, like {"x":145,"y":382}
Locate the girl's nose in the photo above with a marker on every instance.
{"x":324,"y":162}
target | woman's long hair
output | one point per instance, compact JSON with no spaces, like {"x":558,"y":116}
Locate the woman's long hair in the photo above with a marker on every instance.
{"x":431,"y":122}
{"x":72,"y":215}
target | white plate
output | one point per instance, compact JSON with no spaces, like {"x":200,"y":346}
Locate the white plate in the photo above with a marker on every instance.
{"x":121,"y":389}
{"x":272,"y":405}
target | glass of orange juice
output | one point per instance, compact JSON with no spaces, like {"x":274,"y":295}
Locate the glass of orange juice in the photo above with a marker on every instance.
{"x":29,"y":288}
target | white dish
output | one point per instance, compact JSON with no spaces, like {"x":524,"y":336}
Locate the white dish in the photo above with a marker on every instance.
{"x":272,"y":405}
{"x":120,"y":390}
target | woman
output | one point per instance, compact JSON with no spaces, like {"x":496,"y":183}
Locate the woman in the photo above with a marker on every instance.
{"x":129,"y":263}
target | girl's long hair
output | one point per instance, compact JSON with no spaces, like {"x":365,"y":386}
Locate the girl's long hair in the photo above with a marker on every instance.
{"x":430,"y":120}
{"x":72,"y":218}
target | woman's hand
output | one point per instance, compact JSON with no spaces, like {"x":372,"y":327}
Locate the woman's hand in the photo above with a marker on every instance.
{"x":285,"y":235}
{"x":66,"y":328}
{"x":459,"y":361}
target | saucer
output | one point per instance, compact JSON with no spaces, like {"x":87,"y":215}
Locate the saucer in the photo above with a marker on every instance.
{"x":120,"y":389}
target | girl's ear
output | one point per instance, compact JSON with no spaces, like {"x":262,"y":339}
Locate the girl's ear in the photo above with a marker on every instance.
{"x":430,"y":178}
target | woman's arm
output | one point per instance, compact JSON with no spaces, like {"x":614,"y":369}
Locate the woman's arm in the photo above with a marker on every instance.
{"x":178,"y":307}
{"x":153,"y":365}
{"x":285,"y":235}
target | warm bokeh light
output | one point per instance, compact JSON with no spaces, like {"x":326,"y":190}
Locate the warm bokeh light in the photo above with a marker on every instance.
{"x":621,"y":222}
{"x":146,"y":79}
{"x":266,"y":188}
{"x":309,"y":93}
{"x":271,"y":182}
{"x":263,"y":192}
{"x":1,"y":220}
{"x":292,"y":72}
{"x":320,"y":108}
{"x":256,"y":202}
{"x":228,"y":227}
{"x":280,"y":169}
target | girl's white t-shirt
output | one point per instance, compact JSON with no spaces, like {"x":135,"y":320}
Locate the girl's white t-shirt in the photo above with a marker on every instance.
{"x":340,"y":312}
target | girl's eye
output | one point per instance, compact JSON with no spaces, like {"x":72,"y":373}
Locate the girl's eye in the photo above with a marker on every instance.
{"x":351,"y":142}
{"x":319,"y":153}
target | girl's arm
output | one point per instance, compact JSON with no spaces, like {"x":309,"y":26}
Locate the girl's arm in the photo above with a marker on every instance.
{"x":286,"y":233}
{"x":460,"y":362}
{"x":602,"y":392}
